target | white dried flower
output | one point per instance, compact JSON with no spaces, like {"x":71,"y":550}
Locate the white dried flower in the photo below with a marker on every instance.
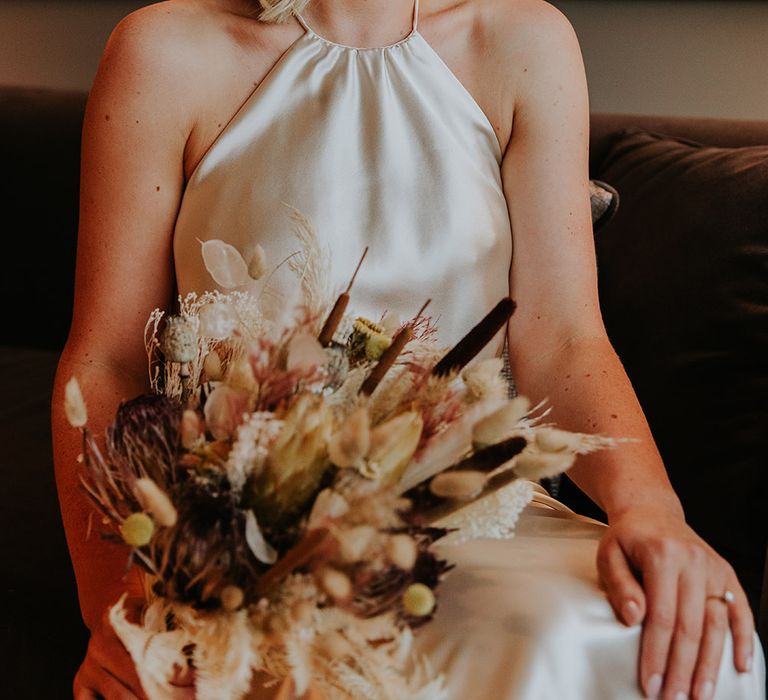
{"x":217,"y":319}
{"x":156,"y":502}
{"x":74,"y":405}
{"x":484,"y":379}
{"x":458,"y":485}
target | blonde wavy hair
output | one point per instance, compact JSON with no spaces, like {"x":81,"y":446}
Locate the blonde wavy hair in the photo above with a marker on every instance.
{"x":280,"y":10}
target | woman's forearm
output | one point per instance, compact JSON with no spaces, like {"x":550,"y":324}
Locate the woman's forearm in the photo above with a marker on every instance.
{"x":590,"y":392}
{"x":100,"y":566}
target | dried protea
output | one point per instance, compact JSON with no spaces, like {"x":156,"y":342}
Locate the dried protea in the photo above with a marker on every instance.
{"x":145,"y":439}
{"x":297,"y":462}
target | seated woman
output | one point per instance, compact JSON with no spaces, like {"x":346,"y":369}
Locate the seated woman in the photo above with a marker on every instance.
{"x":437,"y":135}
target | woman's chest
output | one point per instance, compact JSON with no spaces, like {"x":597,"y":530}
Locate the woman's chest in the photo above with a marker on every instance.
{"x":245,"y":60}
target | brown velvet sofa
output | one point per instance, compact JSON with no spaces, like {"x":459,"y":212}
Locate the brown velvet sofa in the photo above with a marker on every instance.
{"x":43,"y":636}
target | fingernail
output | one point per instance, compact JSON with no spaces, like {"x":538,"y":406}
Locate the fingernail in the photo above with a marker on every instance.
{"x":707,"y":691}
{"x":653,"y":687}
{"x":630,"y":612}
{"x":748,"y":664}
{"x":681,"y":695}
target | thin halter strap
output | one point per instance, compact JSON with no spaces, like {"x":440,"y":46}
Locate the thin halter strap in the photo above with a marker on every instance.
{"x":414,"y":20}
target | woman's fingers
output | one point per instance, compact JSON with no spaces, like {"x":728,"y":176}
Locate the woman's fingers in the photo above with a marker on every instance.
{"x":711,"y":650}
{"x":624,"y":592}
{"x":689,"y":624}
{"x":660,"y":579}
{"x":742,"y":626}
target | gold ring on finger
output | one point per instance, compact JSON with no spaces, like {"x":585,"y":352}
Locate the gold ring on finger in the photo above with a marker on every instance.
{"x":727,"y":597}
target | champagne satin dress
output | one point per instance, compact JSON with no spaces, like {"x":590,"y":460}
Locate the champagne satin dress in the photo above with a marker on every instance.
{"x":384,"y":147}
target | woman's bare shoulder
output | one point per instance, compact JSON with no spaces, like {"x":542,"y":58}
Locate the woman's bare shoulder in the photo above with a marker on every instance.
{"x":528,"y":27}
{"x":171,"y":37}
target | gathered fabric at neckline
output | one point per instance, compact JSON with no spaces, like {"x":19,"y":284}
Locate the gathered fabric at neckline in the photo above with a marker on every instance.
{"x":414,"y":31}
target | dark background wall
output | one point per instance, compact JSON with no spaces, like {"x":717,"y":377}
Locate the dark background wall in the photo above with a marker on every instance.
{"x":674,"y":57}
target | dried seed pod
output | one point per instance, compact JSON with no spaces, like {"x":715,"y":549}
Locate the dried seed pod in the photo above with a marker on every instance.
{"x":554,"y":440}
{"x":156,"y":502}
{"x":232,"y":597}
{"x":472,"y":343}
{"x":386,"y":361}
{"x":257,"y":263}
{"x":178,"y":340}
{"x":458,"y":485}
{"x":137,"y":529}
{"x":353,"y":542}
{"x":335,"y":583}
{"x":240,"y":375}
{"x":225,"y":264}
{"x":542,"y":465}
{"x":74,"y":405}
{"x":334,"y":319}
{"x":401,"y":551}
{"x":212,"y":367}
{"x":500,"y":424}
{"x":418,"y":600}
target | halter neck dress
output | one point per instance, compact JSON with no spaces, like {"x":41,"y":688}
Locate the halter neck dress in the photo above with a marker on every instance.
{"x":384,"y":147}
{"x":380,"y":147}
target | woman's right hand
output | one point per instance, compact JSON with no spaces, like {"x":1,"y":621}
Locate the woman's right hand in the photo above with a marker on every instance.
{"x":108,"y":672}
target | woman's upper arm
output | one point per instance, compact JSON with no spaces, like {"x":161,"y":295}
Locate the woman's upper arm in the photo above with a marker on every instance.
{"x":545,"y":174}
{"x":137,"y":121}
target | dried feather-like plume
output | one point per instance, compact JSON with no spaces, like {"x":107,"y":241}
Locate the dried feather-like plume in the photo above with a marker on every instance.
{"x":311,"y":265}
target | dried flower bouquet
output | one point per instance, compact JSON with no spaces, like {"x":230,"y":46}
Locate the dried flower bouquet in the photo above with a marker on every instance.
{"x":283,"y":486}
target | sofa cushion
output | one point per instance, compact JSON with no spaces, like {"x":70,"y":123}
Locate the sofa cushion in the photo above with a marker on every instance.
{"x":43,"y":636}
{"x":683,"y":270}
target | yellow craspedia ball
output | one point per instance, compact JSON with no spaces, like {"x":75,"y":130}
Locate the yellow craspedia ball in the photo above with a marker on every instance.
{"x":137,"y":529}
{"x":418,"y":600}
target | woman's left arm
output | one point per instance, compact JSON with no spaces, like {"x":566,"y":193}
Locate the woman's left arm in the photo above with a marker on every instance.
{"x":655,"y":569}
